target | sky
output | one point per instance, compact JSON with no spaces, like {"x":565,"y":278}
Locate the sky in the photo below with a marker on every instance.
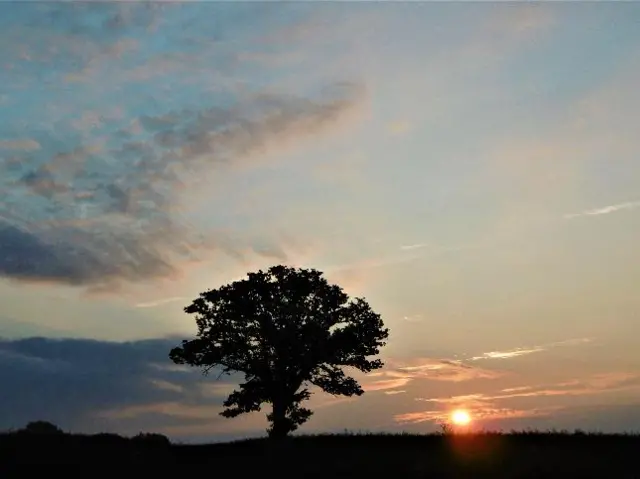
{"x":471,"y":169}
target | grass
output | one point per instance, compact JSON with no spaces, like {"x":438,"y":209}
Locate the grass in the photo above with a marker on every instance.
{"x":524,"y":454}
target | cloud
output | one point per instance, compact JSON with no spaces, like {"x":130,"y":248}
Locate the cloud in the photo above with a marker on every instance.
{"x":257,"y":124}
{"x":581,"y":136}
{"x":413,"y":318}
{"x":491,"y":406}
{"x":79,"y":256}
{"x":96,"y":386}
{"x":512,"y":353}
{"x":413,"y":246}
{"x":485,"y":414}
{"x":397,"y":374}
{"x":395,"y":391}
{"x":596,"y":384}
{"x":174,"y":409}
{"x":106,"y":187}
{"x":605,"y":210}
{"x":507,"y":354}
{"x":41,"y":181}
{"x":365,"y":266}
{"x":103,"y":196}
{"x":135,"y":208}
{"x":443,"y":370}
{"x":159,"y":302}
{"x":413,"y":253}
{"x":385,"y":384}
{"x":87,"y":385}
{"x":20,"y":144}
{"x":516,"y":389}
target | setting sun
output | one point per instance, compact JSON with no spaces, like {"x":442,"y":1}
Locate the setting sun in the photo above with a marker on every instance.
{"x":460,"y":417}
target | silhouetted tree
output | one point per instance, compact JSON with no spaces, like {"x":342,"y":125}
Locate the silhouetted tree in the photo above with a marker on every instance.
{"x":285,"y":329}
{"x":42,"y":428}
{"x":151,"y":439}
{"x":107,"y":439}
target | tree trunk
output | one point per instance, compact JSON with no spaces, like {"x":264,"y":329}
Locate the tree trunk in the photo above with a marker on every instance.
{"x":280,"y":425}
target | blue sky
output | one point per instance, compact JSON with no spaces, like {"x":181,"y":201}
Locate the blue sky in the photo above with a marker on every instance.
{"x":470,"y":168}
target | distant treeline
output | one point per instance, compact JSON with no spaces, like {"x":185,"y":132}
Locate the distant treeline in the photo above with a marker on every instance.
{"x":521,"y":454}
{"x":44,"y":430}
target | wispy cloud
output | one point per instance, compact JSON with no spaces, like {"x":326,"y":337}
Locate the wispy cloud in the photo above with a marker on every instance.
{"x":605,"y":210}
{"x":487,"y":413}
{"x":167,"y":386}
{"x":513,"y":353}
{"x":442,"y":370}
{"x":159,"y":302}
{"x":516,"y":389}
{"x":398,"y":374}
{"x":491,"y":406}
{"x":20,"y":144}
{"x":596,"y":384}
{"x":413,"y":253}
{"x":386,"y":384}
{"x":174,"y":409}
{"x":413,"y":246}
{"x":84,"y":369}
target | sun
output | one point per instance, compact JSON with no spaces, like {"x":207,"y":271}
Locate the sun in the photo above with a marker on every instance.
{"x":460,"y":417}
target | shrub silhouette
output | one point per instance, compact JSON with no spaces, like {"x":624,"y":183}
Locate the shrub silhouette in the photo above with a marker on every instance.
{"x":108,"y":439}
{"x":285,"y":329}
{"x":41,"y":428}
{"x":151,"y":439}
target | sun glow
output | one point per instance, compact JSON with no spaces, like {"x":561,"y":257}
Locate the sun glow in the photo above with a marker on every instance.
{"x":460,"y":417}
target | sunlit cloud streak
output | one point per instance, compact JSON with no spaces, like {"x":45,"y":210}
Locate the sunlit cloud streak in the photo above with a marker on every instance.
{"x":399,"y":373}
{"x":605,"y":210}
{"x":490,"y":406}
{"x":513,"y":353}
{"x":159,"y":302}
{"x":413,"y":246}
{"x":395,"y":391}
{"x":438,"y":416}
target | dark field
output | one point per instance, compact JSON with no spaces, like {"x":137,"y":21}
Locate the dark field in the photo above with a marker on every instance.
{"x":520,"y":455}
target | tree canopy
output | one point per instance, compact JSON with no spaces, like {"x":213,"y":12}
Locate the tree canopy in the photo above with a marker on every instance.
{"x":285,"y":329}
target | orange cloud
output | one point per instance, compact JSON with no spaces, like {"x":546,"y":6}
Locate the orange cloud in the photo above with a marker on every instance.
{"x":486,"y":413}
{"x":386,"y":384}
{"x":485,"y":406}
{"x":442,"y":370}
{"x":598,"y":383}
{"x":398,"y":374}
{"x":519,"y":388}
{"x":507,"y":354}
